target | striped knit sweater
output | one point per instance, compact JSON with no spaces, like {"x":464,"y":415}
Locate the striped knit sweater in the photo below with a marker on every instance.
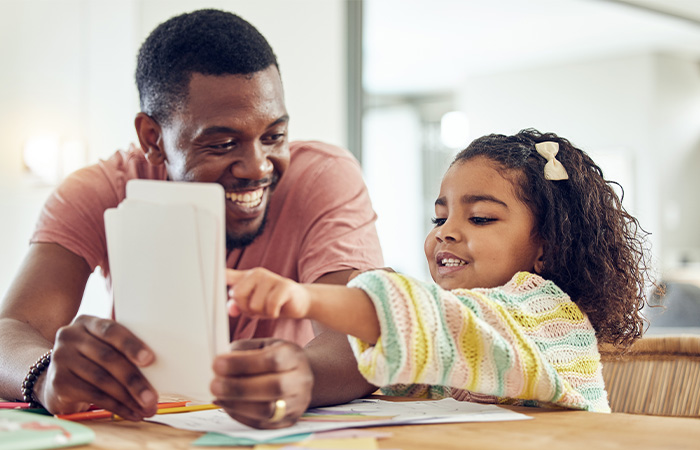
{"x":525,"y":342}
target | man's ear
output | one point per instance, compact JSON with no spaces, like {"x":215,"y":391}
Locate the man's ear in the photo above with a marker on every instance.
{"x":151,"y":138}
{"x":539,"y":262}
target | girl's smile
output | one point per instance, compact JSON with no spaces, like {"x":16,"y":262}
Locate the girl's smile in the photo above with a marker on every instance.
{"x":448,"y":263}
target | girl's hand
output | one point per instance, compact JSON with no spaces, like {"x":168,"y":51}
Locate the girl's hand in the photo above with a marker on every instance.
{"x":260,"y":292}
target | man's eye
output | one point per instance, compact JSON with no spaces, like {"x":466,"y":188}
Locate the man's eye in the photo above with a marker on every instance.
{"x":481,"y":220}
{"x":223,"y":145}
{"x":274,"y":137}
{"x":437,"y":221}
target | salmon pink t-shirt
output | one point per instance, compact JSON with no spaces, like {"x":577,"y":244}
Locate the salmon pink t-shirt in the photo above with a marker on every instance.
{"x":320,"y":220}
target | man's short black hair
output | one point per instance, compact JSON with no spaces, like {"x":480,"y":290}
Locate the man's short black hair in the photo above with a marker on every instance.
{"x":208,"y":41}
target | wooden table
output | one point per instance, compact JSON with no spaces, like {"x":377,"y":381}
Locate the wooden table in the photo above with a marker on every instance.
{"x":549,"y":429}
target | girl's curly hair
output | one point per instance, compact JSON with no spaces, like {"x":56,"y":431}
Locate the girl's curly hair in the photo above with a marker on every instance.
{"x":595,"y":250}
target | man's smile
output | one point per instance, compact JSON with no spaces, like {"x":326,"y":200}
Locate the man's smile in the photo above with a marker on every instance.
{"x":247,"y":199}
{"x":249,"y":204}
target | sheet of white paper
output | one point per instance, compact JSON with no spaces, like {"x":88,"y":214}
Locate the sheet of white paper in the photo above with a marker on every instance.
{"x":209,"y":198}
{"x":159,"y":293}
{"x":357,"y":414}
{"x":167,"y":259}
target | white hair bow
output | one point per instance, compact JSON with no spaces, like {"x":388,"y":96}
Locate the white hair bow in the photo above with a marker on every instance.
{"x":553,"y":170}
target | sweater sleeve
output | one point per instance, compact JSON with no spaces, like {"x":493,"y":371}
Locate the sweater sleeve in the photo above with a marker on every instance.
{"x":526,"y":340}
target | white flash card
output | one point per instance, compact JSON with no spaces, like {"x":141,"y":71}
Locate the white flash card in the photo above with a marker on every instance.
{"x":167,"y":259}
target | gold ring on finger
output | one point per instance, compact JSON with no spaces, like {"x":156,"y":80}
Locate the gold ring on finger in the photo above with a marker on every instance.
{"x":279,"y":412}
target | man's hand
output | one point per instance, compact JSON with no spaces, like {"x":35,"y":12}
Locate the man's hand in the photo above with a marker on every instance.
{"x":255,"y":374}
{"x":97,"y":361}
{"x":263,"y":293}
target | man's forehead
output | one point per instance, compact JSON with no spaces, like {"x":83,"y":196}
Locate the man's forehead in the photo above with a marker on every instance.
{"x":260,"y":93}
{"x":266,"y":76}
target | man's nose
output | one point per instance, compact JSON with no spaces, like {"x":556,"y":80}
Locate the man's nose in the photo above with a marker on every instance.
{"x":253,"y":164}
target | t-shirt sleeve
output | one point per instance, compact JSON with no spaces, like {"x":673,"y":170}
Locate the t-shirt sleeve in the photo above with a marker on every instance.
{"x":72,"y":216}
{"x":340,"y":230}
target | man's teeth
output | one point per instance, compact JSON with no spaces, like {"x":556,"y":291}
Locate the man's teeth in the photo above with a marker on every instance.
{"x":451,"y":262}
{"x":249,"y":199}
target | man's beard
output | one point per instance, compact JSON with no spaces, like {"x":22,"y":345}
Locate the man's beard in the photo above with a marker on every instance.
{"x":233,"y":242}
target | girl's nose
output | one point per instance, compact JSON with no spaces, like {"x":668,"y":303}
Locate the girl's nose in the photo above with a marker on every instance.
{"x":448,"y":232}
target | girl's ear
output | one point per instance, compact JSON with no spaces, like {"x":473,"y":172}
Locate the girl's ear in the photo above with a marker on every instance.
{"x":539,"y":262}
{"x":151,"y":138}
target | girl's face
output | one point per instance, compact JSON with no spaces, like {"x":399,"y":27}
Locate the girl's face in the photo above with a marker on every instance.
{"x":483,"y":232}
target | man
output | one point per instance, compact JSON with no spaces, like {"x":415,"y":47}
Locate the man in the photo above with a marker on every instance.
{"x":212,"y":111}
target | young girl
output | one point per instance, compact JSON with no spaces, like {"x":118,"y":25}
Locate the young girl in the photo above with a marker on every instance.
{"x":536,"y":262}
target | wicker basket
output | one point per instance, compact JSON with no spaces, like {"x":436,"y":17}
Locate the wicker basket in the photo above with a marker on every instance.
{"x":658,"y":375}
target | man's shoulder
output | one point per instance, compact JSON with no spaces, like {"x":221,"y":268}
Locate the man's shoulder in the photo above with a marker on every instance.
{"x":317,"y":150}
{"x":313,"y":164}
{"x":131,"y":163}
{"x":104,"y":182}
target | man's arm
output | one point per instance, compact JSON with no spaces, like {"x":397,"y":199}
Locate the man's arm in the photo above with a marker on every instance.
{"x":44,"y":296}
{"x":94,"y":360}
{"x":336,"y":378}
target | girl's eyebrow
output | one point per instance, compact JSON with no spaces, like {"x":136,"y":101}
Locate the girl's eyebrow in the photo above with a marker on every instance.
{"x":471,"y":199}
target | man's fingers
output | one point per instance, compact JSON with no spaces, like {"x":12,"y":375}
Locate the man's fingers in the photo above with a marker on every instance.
{"x":257,"y":374}
{"x":252,"y":344}
{"x":120,"y":338}
{"x":80,"y":388}
{"x":256,"y":356}
{"x":103,"y":365}
{"x":99,"y":379}
{"x":258,"y":414}
{"x":267,"y":387}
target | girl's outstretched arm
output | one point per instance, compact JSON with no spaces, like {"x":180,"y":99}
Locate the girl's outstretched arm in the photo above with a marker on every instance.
{"x":263,"y":293}
{"x":525,"y":340}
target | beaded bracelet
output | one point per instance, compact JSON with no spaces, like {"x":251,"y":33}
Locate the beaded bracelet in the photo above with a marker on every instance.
{"x":28,"y":384}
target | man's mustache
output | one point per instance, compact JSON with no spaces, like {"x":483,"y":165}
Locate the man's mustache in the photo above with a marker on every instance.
{"x":241,"y":185}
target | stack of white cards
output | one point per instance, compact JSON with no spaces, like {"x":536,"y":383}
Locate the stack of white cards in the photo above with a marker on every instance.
{"x":167,"y":260}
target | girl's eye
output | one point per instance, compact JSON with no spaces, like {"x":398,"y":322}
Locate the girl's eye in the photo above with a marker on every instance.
{"x":481,"y":220}
{"x":437,"y":221}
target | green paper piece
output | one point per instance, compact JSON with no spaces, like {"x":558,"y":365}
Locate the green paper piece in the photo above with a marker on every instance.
{"x":20,"y":430}
{"x":41,"y":411}
{"x":218,"y":439}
